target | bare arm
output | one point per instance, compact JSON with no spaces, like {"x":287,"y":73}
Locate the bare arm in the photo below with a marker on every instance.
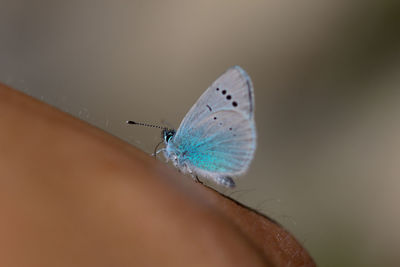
{"x":73,"y":195}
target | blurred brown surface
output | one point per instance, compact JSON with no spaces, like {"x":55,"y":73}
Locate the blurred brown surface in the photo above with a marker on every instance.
{"x":72,"y":195}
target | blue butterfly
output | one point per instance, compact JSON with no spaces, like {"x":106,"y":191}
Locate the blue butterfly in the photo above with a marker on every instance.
{"x":217,"y":137}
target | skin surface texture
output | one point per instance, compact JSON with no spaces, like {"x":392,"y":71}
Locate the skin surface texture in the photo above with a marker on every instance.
{"x":73,"y":195}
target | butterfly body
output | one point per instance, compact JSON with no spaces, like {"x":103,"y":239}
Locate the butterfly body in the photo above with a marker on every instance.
{"x":217,"y":137}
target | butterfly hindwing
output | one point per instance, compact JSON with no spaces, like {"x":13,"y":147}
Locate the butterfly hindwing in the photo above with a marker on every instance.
{"x":221,"y":143}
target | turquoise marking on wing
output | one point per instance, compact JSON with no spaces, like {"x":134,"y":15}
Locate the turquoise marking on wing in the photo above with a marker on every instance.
{"x":207,"y":153}
{"x":222,"y":145}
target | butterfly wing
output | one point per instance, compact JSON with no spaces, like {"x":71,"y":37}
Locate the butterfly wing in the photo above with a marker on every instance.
{"x":218,"y":136}
{"x":221,"y":144}
{"x":233,"y":90}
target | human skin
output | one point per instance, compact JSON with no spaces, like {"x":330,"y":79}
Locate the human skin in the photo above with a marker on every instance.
{"x":73,"y":195}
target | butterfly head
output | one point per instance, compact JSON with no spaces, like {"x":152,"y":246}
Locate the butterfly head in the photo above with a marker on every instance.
{"x":167,"y":134}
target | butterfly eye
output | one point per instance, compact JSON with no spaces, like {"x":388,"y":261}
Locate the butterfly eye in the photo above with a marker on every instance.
{"x":168,"y":134}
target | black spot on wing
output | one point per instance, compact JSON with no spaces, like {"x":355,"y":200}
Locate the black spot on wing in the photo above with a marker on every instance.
{"x":209,"y":108}
{"x":249,"y":85}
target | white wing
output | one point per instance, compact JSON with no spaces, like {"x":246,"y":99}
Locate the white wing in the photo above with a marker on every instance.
{"x":222,"y":143}
{"x":233,"y":90}
{"x":218,"y":134}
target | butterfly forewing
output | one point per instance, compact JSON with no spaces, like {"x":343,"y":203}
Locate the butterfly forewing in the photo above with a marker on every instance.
{"x":233,"y":90}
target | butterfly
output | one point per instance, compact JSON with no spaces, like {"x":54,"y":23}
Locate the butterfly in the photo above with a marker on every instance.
{"x":217,"y":137}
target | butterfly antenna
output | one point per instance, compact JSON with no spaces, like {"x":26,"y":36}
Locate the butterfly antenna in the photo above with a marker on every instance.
{"x":145,"y":124}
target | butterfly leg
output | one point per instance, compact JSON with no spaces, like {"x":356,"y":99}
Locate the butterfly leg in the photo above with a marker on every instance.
{"x":157,"y":151}
{"x":198,"y":180}
{"x":225,"y":181}
{"x":194,"y":175}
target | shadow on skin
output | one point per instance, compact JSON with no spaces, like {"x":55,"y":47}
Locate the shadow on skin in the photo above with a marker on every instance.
{"x":73,"y":195}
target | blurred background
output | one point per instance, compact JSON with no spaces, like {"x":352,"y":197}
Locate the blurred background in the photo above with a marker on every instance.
{"x":326,"y":78}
